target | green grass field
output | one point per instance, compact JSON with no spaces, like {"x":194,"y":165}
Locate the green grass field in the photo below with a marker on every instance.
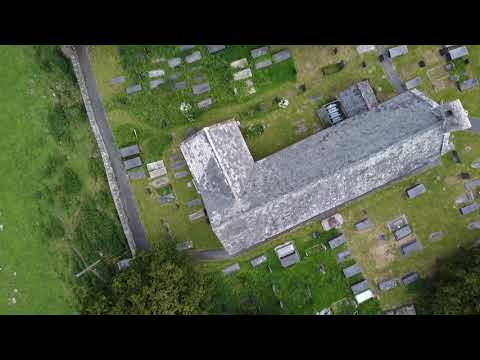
{"x":53,"y":188}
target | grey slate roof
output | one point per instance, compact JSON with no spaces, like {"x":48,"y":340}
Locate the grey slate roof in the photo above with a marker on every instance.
{"x":132,"y":163}
{"x":352,"y":270}
{"x":336,"y":242}
{"x":359,"y":287}
{"x":129,"y":151}
{"x":215,"y":48}
{"x":397,"y":51}
{"x":248,"y":202}
{"x":415,"y":191}
{"x":410,"y":278}
{"x":357,"y":98}
{"x":411,"y":247}
{"x":469,"y":209}
{"x":458,"y":52}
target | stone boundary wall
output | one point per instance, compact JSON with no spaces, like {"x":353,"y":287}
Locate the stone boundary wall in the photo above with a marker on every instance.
{"x":112,"y":180}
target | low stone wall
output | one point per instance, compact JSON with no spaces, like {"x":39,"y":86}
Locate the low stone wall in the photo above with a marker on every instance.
{"x":112,"y":180}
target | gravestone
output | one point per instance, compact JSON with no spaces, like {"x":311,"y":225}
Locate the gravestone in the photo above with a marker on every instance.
{"x":263,"y":64}
{"x":132,"y":163}
{"x":181,"y":174}
{"x":173,"y":63}
{"x":186,"y":47}
{"x":258,"y":260}
{"x":133,"y":89}
{"x":201,"y":88}
{"x":165,"y":199}
{"x":195,"y":56}
{"x":135,"y":175}
{"x":194,"y":202}
{"x":118,"y":80}
{"x":387,"y":284}
{"x":243,"y":74}
{"x":435,"y":236}
{"x":197,"y":215}
{"x":410,"y":278}
{"x":156,"y":83}
{"x":259,"y":52}
{"x":476,"y":164}
{"x":180,"y":85}
{"x":474,"y":225}
{"x":344,"y":255}
{"x":215,"y":48}
{"x":281,"y":56}
{"x":156,"y":73}
{"x":160,"y":182}
{"x":205,"y":103}
{"x":231,"y":269}
{"x":352,"y":270}
{"x":239,"y":64}
{"x":179,"y":164}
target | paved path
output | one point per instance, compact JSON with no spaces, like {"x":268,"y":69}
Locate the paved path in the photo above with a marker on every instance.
{"x":211,"y":255}
{"x":126,"y":195}
{"x":390,"y":70}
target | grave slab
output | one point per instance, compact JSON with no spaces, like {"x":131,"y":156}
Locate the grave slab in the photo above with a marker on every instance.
{"x":259,"y":52}
{"x":243,"y":74}
{"x":118,"y":80}
{"x":259,"y":260}
{"x":263,"y":64}
{"x":160,"y":182}
{"x":239,"y":64}
{"x":193,"y":57}
{"x":186,"y":47}
{"x":205,"y":103}
{"x":201,"y":88}
{"x":133,"y":89}
{"x":156,"y":83}
{"x":197,"y":215}
{"x":215,"y":48}
{"x":194,"y":202}
{"x":281,"y":56}
{"x":135,"y":175}
{"x":165,"y":199}
{"x":180,"y":85}
{"x":231,"y":269}
{"x":156,"y":73}
{"x":173,"y":63}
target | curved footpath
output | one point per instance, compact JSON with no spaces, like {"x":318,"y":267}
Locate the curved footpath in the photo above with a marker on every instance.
{"x":117,"y":178}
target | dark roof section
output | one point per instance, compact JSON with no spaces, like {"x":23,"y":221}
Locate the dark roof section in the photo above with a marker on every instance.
{"x":129,"y":151}
{"x":469,"y":209}
{"x":249,"y":202}
{"x":336,"y":242}
{"x":413,"y":192}
{"x":352,"y":270}
{"x":360,"y":286}
{"x":358,"y":98}
{"x":411,"y":247}
{"x":410,"y":278}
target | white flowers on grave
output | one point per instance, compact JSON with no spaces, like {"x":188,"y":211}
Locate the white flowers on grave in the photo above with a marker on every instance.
{"x":283,"y":103}
{"x":186,"y":109}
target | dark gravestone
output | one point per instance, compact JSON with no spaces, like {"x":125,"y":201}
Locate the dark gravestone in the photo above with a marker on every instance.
{"x":360,"y":286}
{"x":352,"y":270}
{"x":410,"y":248}
{"x":181,"y":174}
{"x":201,"y":88}
{"x":469,"y":209}
{"x":135,"y":175}
{"x":179,"y":164}
{"x":402,"y":232}
{"x":410,"y":278}
{"x":180,"y":85}
{"x":132,"y":163}
{"x":435,"y":236}
{"x":165,"y":199}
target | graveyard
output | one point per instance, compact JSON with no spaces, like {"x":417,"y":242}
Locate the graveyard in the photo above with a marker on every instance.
{"x":310,"y":78}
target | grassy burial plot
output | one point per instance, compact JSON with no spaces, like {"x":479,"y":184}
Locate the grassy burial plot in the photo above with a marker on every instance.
{"x":301,"y":288}
{"x":433,"y":211}
{"x":435,"y":78}
{"x":55,"y":196}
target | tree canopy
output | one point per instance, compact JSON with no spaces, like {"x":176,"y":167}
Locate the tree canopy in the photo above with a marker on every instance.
{"x":455,"y":289}
{"x":160,"y":281}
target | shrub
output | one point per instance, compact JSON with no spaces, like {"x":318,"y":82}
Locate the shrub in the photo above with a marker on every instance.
{"x":254,"y":130}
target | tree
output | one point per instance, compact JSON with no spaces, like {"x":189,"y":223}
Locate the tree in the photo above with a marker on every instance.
{"x":456,"y":287}
{"x":160,"y":281}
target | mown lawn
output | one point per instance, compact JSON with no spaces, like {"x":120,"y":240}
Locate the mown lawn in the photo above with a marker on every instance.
{"x":54,"y":196}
